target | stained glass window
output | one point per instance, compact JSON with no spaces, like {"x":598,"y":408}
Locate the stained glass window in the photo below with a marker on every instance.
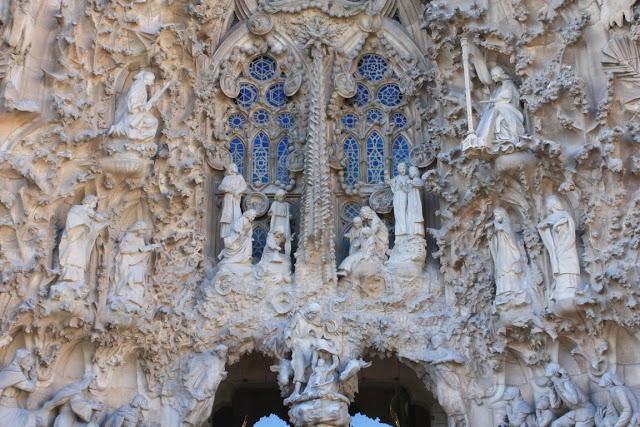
{"x":275,"y":95}
{"x":375,"y":158}
{"x":351,"y":152}
{"x":361,"y":98}
{"x":390,"y":95}
{"x":260,"y":159}
{"x":350,"y":120}
{"x":262,"y":68}
{"x":259,"y":242}
{"x":282,"y":174}
{"x":372,"y":67}
{"x":236,"y":147}
{"x":400,"y":153}
{"x":260,"y":117}
{"x":399,"y":120}
{"x":350,"y":210}
{"x":286,"y":120}
{"x":374,"y":116}
{"x":236,"y":121}
{"x":248,"y":95}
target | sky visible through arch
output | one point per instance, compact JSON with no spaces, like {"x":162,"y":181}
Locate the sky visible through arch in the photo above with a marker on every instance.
{"x":359,"y":420}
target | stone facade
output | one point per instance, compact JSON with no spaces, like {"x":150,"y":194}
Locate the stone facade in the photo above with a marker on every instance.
{"x":187,"y":184}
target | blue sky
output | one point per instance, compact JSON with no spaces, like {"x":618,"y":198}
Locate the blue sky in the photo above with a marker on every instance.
{"x":359,"y":420}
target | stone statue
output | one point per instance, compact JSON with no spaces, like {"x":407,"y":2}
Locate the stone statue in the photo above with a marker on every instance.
{"x":280,"y":217}
{"x":273,"y":261}
{"x":558,"y":233}
{"x":415,"y":220}
{"x":131,"y":268}
{"x":324,"y":378}
{"x":356,"y":243}
{"x":19,"y":32}
{"x":624,"y":400}
{"x":506,"y":255}
{"x":400,"y":185}
{"x":136,"y":122}
{"x":544,"y":413}
{"x":502,"y":122}
{"x":19,"y":376}
{"x":565,"y":390}
{"x":129,"y":414}
{"x":379,"y":234}
{"x":233,"y":186}
{"x":518,"y":412}
{"x":77,"y":406}
{"x":301,"y":336}
{"x":78,"y":238}
{"x":238,"y":245}
{"x":203,"y":374}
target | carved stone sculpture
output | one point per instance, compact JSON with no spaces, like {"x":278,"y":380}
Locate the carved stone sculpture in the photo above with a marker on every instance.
{"x":136,"y":122}
{"x":75,"y":403}
{"x":238,"y":244}
{"x":273,"y":262}
{"x":280,"y":213}
{"x":624,"y":400}
{"x":518,"y":412}
{"x":565,"y":390}
{"x":131,"y":270}
{"x":415,"y":220}
{"x":400,"y":185}
{"x":506,"y":257}
{"x":202,"y":375}
{"x":356,"y":244}
{"x":76,"y":246}
{"x":129,"y":414}
{"x":558,"y":233}
{"x":544,"y":412}
{"x":18,"y":377}
{"x":233,"y":186}
{"x":502,"y":122}
{"x":301,"y":336}
{"x":378,"y":240}
{"x":19,"y":32}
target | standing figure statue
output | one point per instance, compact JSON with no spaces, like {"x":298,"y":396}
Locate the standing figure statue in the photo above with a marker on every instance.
{"x":624,"y":400}
{"x":400,"y":185}
{"x":506,"y":255}
{"x":565,"y":390}
{"x":78,"y":238}
{"x":356,"y":245}
{"x":233,"y":186}
{"x":415,"y":219}
{"x":301,"y":335}
{"x":129,"y":414}
{"x":19,"y":376}
{"x":502,"y":122}
{"x":238,"y":243}
{"x":558,"y":233}
{"x":19,"y":32}
{"x":202,"y":376}
{"x":280,"y":217}
{"x":324,"y":377}
{"x":77,"y":406}
{"x":136,"y":122}
{"x":131,"y":268}
{"x":379,"y":233}
{"x":518,"y":412}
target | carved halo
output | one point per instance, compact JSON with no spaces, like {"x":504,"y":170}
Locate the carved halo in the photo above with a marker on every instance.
{"x":295,"y":160}
{"x":260,"y":23}
{"x":218,"y":158}
{"x":256,"y":201}
{"x":422,"y":156}
{"x":381,"y":200}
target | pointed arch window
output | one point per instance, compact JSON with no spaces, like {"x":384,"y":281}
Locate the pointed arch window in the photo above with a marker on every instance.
{"x":375,"y":158}
{"x":259,"y":237}
{"x":400,"y":153}
{"x":352,"y":154}
{"x":260,"y":159}
{"x":237,"y":154}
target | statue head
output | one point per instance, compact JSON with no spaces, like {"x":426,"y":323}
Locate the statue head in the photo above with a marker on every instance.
{"x":137,"y":227}
{"x":367,"y":213}
{"x":511,"y":393}
{"x":554,"y":371}
{"x":280,"y":194}
{"x":402,"y":168}
{"x":498,"y":74}
{"x":413,"y":172}
{"x":232,"y":169}
{"x":90,"y":200}
{"x":146,"y":76}
{"x":250,"y":214}
{"x":500,"y":215}
{"x":221,"y":350}
{"x":312,"y":311}
{"x":554,"y":204}
{"x":278,"y":232}
{"x":139,"y":401}
{"x":610,"y":379}
{"x":89,"y":381}
{"x":24,"y":359}
{"x":357,"y":222}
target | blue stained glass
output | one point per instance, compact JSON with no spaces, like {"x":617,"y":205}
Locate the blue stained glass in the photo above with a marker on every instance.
{"x":361,"y":98}
{"x":262,"y":68}
{"x":374,"y":116}
{"x":372,"y":67}
{"x":350,"y":210}
{"x":237,"y":154}
{"x":286,"y":120}
{"x":399,"y":120}
{"x":260,"y":117}
{"x":259,"y":237}
{"x":282,"y":174}
{"x":400,"y":153}
{"x":236,"y":121}
{"x":350,"y":120}
{"x":351,"y":153}
{"x":260,"y":159}
{"x":275,"y":95}
{"x":375,"y":158}
{"x":390,"y":95}
{"x":248,"y":95}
